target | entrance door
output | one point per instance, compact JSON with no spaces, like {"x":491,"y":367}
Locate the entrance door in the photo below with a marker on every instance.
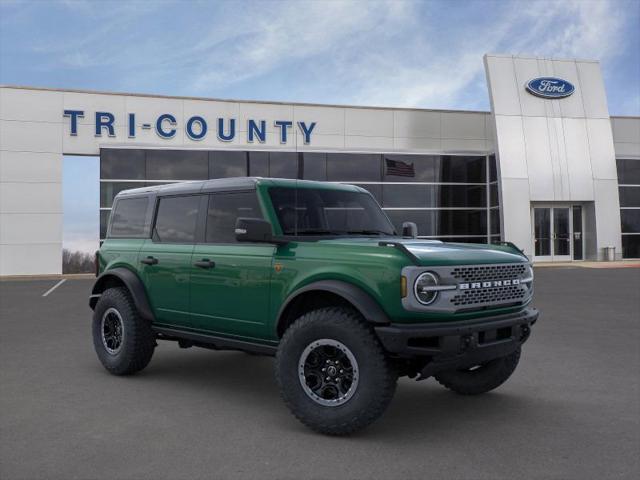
{"x":557,"y":232}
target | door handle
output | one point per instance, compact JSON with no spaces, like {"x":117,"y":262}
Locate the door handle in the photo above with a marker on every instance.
{"x":149,"y":260}
{"x":205,"y":263}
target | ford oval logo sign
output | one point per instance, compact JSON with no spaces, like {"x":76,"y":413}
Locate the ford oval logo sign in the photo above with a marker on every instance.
{"x":550,"y":87}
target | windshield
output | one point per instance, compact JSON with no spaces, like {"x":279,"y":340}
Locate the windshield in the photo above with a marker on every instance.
{"x":316,"y":211}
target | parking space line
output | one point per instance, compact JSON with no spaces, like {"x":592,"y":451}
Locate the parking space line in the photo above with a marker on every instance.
{"x":54,"y":287}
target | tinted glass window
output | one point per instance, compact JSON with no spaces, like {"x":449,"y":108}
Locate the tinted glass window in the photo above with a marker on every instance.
{"x":109,"y":190}
{"x":104,"y":222}
{"x":224,"y":210}
{"x":630,"y":196}
{"x":630,"y":221}
{"x":631,"y":246}
{"x":314,"y":166}
{"x":442,"y":222}
{"x":494,"y":198}
{"x":495,"y":221}
{"x":223,"y":164}
{"x":283,"y":165}
{"x":461,"y":169}
{"x":314,"y":211}
{"x":397,"y":196}
{"x":128,"y":218}
{"x":259,"y":164}
{"x":628,"y":171}
{"x":493,"y":169}
{"x":122,"y":164}
{"x":373,"y":189}
{"x":410,"y":168}
{"x":177,"y":165}
{"x":463,"y":239}
{"x":404,"y":195}
{"x":176,"y":219}
{"x":346,"y":167}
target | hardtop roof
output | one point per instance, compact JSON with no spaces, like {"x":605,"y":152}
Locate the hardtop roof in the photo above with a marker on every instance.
{"x":230,"y":184}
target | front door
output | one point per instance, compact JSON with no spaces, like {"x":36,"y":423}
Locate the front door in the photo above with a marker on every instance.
{"x":230,"y":281}
{"x":557,"y":232}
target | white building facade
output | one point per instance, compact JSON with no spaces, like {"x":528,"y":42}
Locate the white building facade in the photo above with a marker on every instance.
{"x":547,"y":168}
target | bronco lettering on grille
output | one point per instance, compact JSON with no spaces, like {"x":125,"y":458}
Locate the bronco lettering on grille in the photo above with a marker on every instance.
{"x":489,"y":284}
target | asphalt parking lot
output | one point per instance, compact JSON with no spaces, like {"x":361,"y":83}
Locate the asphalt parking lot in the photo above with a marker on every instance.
{"x":571,"y":410}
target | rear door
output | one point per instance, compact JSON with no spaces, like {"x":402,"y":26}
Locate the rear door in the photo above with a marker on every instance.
{"x":165,"y":258}
{"x":230,"y":281}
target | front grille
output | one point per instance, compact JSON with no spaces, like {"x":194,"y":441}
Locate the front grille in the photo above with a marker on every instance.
{"x":488,"y":272}
{"x":512,"y":293}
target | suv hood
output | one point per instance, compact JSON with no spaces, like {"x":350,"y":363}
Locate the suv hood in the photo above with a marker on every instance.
{"x":434,"y":253}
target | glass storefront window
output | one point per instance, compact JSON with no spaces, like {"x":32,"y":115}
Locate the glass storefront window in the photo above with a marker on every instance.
{"x":224,"y":164}
{"x":283,"y":165}
{"x":104,"y":222}
{"x":444,"y":195}
{"x":259,"y":164}
{"x":493,"y":169}
{"x":462,"y":169}
{"x":629,"y":196}
{"x":177,"y":165}
{"x":630,"y":221}
{"x":410,"y":168}
{"x":314,"y":166}
{"x":351,"y":167}
{"x":495,"y":220}
{"x":122,"y":164}
{"x":631,"y":246}
{"x":108,"y":191}
{"x":442,"y":222}
{"x":373,"y":189}
{"x":628,"y":171}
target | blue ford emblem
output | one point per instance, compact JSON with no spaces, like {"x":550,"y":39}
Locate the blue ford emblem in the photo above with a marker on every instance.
{"x":550,"y":87}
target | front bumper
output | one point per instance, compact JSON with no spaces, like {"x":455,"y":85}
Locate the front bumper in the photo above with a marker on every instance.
{"x":454,"y":345}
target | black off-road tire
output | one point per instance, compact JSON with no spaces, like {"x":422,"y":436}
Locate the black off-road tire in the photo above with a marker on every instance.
{"x":481,"y":379}
{"x":138,"y":341}
{"x":376,"y":376}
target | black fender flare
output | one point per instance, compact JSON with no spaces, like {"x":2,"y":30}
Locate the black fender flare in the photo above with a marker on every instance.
{"x":133,"y":284}
{"x":361,"y":300}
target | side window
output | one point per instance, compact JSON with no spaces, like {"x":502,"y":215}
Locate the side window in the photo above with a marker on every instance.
{"x":176,"y":219}
{"x":128,"y":218}
{"x":224,"y":209}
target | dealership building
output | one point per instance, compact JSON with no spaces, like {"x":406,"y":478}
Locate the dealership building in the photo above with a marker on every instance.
{"x":547,"y":168}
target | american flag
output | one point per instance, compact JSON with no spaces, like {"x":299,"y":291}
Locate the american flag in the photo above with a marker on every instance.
{"x":399,"y":168}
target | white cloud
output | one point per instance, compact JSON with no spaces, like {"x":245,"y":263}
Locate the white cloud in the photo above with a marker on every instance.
{"x":387,"y":52}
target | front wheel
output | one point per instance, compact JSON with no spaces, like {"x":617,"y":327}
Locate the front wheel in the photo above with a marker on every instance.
{"x":332,"y":372}
{"x":481,"y":378}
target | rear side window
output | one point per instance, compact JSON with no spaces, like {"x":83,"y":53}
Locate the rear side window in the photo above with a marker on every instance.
{"x":224,"y":209}
{"x":128,"y":218}
{"x":176,"y":219}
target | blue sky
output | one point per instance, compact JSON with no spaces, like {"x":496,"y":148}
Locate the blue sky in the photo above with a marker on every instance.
{"x":391,"y":53}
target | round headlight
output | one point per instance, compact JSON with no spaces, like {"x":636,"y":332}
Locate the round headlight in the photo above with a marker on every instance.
{"x":423,"y":288}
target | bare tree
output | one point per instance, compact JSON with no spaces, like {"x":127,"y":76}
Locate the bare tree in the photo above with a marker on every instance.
{"x":77,"y":262}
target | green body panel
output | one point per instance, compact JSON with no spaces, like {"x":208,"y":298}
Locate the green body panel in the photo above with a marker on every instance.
{"x":245,"y":292}
{"x":167,"y":283}
{"x":115,"y":253}
{"x":233,"y":297}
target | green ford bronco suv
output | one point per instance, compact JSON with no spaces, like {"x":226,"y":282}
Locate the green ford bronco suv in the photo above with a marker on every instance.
{"x":315,"y":274}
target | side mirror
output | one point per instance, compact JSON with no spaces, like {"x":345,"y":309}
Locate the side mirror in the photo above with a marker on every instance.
{"x":254,"y":230}
{"x":409,"y":229}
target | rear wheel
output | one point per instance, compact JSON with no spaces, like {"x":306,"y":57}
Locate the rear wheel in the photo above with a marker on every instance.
{"x":332,"y":372}
{"x":480,"y":378}
{"x":123,"y":341}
